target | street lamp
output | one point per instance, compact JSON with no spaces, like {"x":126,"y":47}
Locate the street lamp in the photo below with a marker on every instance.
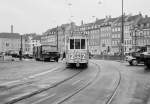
{"x":20,"y":51}
{"x":57,"y":38}
{"x":122,"y":34}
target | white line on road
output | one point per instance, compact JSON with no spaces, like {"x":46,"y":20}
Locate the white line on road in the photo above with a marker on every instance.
{"x":45,"y":98}
{"x":11,"y":82}
{"x":33,"y":76}
{"x":76,"y":82}
{"x":39,"y":74}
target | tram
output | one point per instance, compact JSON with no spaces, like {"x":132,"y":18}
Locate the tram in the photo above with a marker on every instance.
{"x":77,"y":53}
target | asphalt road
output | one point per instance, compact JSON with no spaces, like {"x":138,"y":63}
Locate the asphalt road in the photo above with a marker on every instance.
{"x":93,"y":85}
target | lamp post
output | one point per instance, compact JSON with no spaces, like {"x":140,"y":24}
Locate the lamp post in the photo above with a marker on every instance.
{"x":122,"y":34}
{"x":57,"y":38}
{"x":20,"y":52}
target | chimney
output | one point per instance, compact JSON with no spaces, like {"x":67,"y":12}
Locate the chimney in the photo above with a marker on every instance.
{"x":82,"y":22}
{"x":140,"y":14}
{"x":96,"y":19}
{"x":146,"y":16}
{"x":109,"y":16}
{"x":11,"y":28}
{"x":106,"y":17}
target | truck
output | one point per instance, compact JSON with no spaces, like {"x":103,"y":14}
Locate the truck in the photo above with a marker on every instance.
{"x":46,"y":53}
{"x":146,"y":57}
{"x":134,"y":57}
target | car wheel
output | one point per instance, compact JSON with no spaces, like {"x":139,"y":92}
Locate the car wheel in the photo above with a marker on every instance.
{"x":134,"y":62}
{"x":130,"y":63}
{"x":56,"y":59}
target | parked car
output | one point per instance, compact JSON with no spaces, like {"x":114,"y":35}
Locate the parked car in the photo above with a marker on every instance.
{"x":134,"y":58}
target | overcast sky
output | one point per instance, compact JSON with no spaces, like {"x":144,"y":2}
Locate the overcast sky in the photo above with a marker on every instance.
{"x":36,"y":16}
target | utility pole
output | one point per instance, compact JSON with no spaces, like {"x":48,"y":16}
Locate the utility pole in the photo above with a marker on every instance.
{"x":122,"y":34}
{"x":135,"y":39}
{"x":57,"y":38}
{"x":20,"y":52}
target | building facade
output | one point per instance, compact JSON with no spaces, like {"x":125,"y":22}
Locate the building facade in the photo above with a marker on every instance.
{"x":11,"y":42}
{"x":31,"y":40}
{"x":141,"y":33}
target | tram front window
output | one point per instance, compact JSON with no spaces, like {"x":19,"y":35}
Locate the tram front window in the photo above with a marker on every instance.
{"x":77,"y":43}
{"x":71,"y":43}
{"x":82,"y":43}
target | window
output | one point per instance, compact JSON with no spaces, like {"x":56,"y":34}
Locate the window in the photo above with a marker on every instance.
{"x":7,"y":44}
{"x":71,"y":43}
{"x":77,"y":43}
{"x":82,"y":43}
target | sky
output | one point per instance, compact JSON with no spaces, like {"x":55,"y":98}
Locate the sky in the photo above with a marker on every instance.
{"x":36,"y":16}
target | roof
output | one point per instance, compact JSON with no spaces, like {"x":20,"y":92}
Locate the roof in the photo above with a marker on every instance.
{"x":131,"y":18}
{"x":10,"y":35}
{"x":100,"y":21}
{"x":37,"y":37}
{"x":128,"y":18}
{"x":144,"y":20}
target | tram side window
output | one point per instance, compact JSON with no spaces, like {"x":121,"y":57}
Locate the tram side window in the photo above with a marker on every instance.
{"x":77,"y":43}
{"x":71,"y":43}
{"x":82,"y":43}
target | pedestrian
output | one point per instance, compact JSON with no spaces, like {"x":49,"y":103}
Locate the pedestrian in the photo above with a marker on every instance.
{"x":64,"y":55}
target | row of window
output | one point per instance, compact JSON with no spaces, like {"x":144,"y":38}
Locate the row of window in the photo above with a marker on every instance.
{"x":115,"y":35}
{"x":106,"y":41}
{"x":116,"y":42}
{"x":146,"y":33}
{"x":90,"y":27}
{"x":127,"y":42}
{"x":105,"y":28}
{"x":116,"y":29}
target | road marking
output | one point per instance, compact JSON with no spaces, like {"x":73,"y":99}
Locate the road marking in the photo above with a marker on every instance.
{"x":33,"y":76}
{"x":11,"y":82}
{"x":42,"y":73}
{"x":76,"y":82}
{"x":45,"y":98}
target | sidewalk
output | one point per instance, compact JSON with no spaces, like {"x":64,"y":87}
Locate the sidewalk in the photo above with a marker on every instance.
{"x":15,"y":60}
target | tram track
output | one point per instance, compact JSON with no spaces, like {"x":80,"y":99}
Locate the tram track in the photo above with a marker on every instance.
{"x":64,"y":99}
{"x":75,"y":80}
{"x":53,"y":85}
{"x":109,"y":96}
{"x":80,"y":89}
{"x":26,"y":80}
{"x":112,"y":96}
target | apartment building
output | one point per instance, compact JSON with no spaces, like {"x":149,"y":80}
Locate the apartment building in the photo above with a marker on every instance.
{"x":31,"y":40}
{"x":61,"y":33}
{"x":129,"y":22}
{"x":142,"y":32}
{"x":49,"y":37}
{"x":106,"y":35}
{"x":93,"y":32}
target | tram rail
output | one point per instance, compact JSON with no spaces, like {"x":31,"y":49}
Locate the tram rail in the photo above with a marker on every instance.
{"x":15,"y":100}
{"x":80,"y":89}
{"x":110,"y":99}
